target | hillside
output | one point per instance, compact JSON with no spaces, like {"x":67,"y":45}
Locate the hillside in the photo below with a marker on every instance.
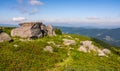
{"x":51,"y":54}
{"x":110,"y":36}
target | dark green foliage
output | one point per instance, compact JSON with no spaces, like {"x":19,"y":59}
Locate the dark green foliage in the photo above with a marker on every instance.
{"x":58,"y":31}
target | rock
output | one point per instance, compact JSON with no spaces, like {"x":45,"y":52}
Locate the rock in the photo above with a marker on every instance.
{"x":68,"y":42}
{"x":32,"y":30}
{"x":4,"y":37}
{"x":101,"y":53}
{"x":50,"y":30}
{"x":106,"y":51}
{"x":87,"y":46}
{"x":15,"y":45}
{"x":86,"y":43}
{"x":48,"y":48}
{"x":83,"y":49}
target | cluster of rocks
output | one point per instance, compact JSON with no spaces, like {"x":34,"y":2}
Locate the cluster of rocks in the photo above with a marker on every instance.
{"x":4,"y":36}
{"x":32,"y":30}
{"x":28,"y":30}
{"x":87,"y":46}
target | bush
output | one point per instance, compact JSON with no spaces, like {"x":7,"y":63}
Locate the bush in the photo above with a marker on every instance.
{"x":58,"y":31}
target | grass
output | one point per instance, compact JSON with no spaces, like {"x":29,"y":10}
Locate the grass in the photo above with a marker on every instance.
{"x":30,"y":56}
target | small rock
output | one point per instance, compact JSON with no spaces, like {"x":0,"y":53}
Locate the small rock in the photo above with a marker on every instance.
{"x":83,"y":49}
{"x":100,"y":53}
{"x":68,"y":42}
{"x":15,"y":45}
{"x":4,"y":37}
{"x":48,"y":48}
{"x":106,"y":51}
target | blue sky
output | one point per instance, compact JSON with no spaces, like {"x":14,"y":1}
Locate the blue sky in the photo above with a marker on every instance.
{"x":93,"y":13}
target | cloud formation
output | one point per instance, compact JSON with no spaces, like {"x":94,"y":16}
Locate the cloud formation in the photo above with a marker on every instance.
{"x":30,"y":7}
{"x":18,"y":19}
{"x":36,"y":2}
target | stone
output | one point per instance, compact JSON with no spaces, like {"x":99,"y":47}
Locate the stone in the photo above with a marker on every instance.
{"x":4,"y":37}
{"x":106,"y":51}
{"x":15,"y":45}
{"x":68,"y":42}
{"x":50,"y":30}
{"x":101,"y":53}
{"x":49,"y":49}
{"x":32,"y":30}
{"x":88,"y":46}
{"x":83,"y":49}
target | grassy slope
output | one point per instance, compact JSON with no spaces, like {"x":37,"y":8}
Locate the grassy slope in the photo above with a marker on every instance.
{"x":30,"y":56}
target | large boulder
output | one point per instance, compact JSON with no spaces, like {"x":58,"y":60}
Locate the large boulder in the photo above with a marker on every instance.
{"x":32,"y":30}
{"x":4,"y":37}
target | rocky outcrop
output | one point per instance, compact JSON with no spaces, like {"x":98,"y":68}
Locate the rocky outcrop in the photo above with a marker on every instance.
{"x":4,"y":36}
{"x":87,"y":46}
{"x":32,"y":30}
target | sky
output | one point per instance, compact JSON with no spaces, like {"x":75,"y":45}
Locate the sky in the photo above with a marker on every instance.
{"x":72,"y":13}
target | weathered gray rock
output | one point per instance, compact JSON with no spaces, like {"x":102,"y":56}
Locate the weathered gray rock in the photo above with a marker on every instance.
{"x":49,"y":49}
{"x":50,"y":30}
{"x":68,"y":42}
{"x":100,"y":53}
{"x":83,"y":49}
{"x":32,"y":30}
{"x":4,"y":37}
{"x":106,"y":51}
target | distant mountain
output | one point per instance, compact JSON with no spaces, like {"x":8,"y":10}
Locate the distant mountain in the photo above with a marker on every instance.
{"x":8,"y":25}
{"x":111,"y":36}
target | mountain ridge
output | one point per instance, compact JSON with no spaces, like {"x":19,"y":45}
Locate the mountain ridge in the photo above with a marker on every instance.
{"x":102,"y":34}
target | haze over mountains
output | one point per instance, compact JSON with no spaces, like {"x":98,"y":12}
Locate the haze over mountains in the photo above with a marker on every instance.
{"x":110,"y":36}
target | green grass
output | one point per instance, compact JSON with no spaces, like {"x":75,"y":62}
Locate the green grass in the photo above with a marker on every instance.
{"x":30,"y":56}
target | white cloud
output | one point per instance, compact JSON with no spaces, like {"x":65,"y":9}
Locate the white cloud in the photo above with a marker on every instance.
{"x":18,"y":19}
{"x":30,"y":7}
{"x":36,"y":2}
